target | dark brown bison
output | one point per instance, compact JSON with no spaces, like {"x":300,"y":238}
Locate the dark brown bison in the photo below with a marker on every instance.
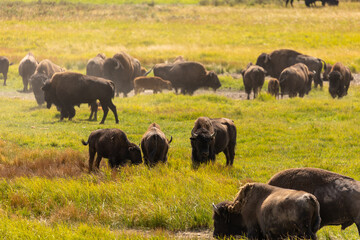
{"x":156,"y":84}
{"x":339,"y":80}
{"x":68,"y":89}
{"x":190,"y":76}
{"x":114,"y":145}
{"x":326,"y":72}
{"x":27,"y":68}
{"x":44,"y":71}
{"x":295,"y":79}
{"x":338,"y":195}
{"x":253,"y":78}
{"x":95,"y":66}
{"x":154,"y":145}
{"x":275,"y":62}
{"x":261,"y":211}
{"x":122,"y":69}
{"x":4,"y":67}
{"x":210,"y":137}
{"x":273,"y":87}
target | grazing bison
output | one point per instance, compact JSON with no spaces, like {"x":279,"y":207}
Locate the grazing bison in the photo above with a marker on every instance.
{"x":68,"y":89}
{"x":154,"y":145}
{"x":210,"y":137}
{"x":27,"y":68}
{"x":338,"y":195}
{"x":95,"y":66}
{"x":261,"y":211}
{"x":44,"y":71}
{"x":4,"y":67}
{"x":253,"y":78}
{"x":122,"y":69}
{"x":114,"y":145}
{"x":156,"y":84}
{"x":295,"y":79}
{"x":273,"y":87}
{"x":190,"y":76}
{"x":339,"y":80}
{"x":275,"y":62}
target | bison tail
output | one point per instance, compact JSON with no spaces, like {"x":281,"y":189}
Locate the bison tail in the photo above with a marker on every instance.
{"x":84,"y":143}
{"x":154,"y":150}
{"x":11,"y":64}
{"x":323,"y":63}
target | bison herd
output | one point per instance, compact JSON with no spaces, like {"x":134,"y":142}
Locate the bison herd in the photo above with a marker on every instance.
{"x":295,"y":203}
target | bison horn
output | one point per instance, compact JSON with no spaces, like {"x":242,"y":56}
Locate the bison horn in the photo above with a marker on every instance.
{"x":117,"y":64}
{"x":170,"y":139}
{"x":213,"y":135}
{"x":216,"y":210}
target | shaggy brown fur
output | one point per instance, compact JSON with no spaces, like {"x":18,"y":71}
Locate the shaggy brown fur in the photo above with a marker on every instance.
{"x":4,"y":67}
{"x":156,"y":84}
{"x":69,"y":89}
{"x":338,"y":195}
{"x":253,"y":78}
{"x":112,"y":144}
{"x":296,"y":79}
{"x":27,"y":68}
{"x":268,"y":212}
{"x":273,"y":87}
{"x":154,"y":145}
{"x":95,"y":66}
{"x":339,"y":80}
{"x":210,"y":137}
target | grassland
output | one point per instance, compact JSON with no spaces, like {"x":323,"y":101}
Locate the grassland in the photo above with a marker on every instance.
{"x":45,"y":190}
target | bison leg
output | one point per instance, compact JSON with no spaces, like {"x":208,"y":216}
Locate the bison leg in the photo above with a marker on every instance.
{"x":97,"y":162}
{"x":25,"y":83}
{"x":94,"y":108}
{"x":71,"y":111}
{"x":5,"y":77}
{"x":92,"y":153}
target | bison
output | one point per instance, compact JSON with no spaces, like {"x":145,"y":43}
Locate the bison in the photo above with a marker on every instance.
{"x":154,"y":83}
{"x":154,"y":145}
{"x":338,"y":195}
{"x":95,"y":66}
{"x":27,"y":68}
{"x":339,"y":80}
{"x":273,"y":87}
{"x":261,"y":211}
{"x":122,"y":69}
{"x":253,"y":78}
{"x":68,"y":89}
{"x":275,"y":62}
{"x":114,"y":145}
{"x":210,"y":137}
{"x":296,"y":79}
{"x":44,"y":71}
{"x":4,"y":67}
{"x":190,"y":76}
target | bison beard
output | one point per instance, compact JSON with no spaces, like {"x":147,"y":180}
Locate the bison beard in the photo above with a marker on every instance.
{"x":68,"y":89}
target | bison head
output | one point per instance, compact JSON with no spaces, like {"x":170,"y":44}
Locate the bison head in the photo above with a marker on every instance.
{"x":202,"y":143}
{"x":309,"y":82}
{"x":162,"y":70}
{"x":212,"y":80}
{"x":226,"y":223}
{"x":47,"y":94}
{"x":134,"y":154}
{"x":335,"y":79}
{"x":264,"y":61}
{"x":110,"y":67}
{"x":37,"y":82}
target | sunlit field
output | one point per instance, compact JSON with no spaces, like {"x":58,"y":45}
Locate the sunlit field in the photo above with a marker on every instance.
{"x":46,"y":191}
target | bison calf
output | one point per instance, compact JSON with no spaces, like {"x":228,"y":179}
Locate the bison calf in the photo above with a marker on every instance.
{"x":154,"y":145}
{"x":68,"y":89}
{"x":210,"y":137}
{"x":156,"y":84}
{"x":339,"y":80}
{"x":338,"y":195}
{"x":296,"y":79}
{"x":253,"y":78}
{"x":261,"y":211}
{"x":273,"y":87}
{"x":114,"y":145}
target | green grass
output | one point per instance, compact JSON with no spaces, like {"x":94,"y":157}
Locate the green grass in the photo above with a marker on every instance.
{"x":45,"y":190}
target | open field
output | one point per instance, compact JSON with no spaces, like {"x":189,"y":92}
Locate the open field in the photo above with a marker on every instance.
{"x":45,"y":190}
